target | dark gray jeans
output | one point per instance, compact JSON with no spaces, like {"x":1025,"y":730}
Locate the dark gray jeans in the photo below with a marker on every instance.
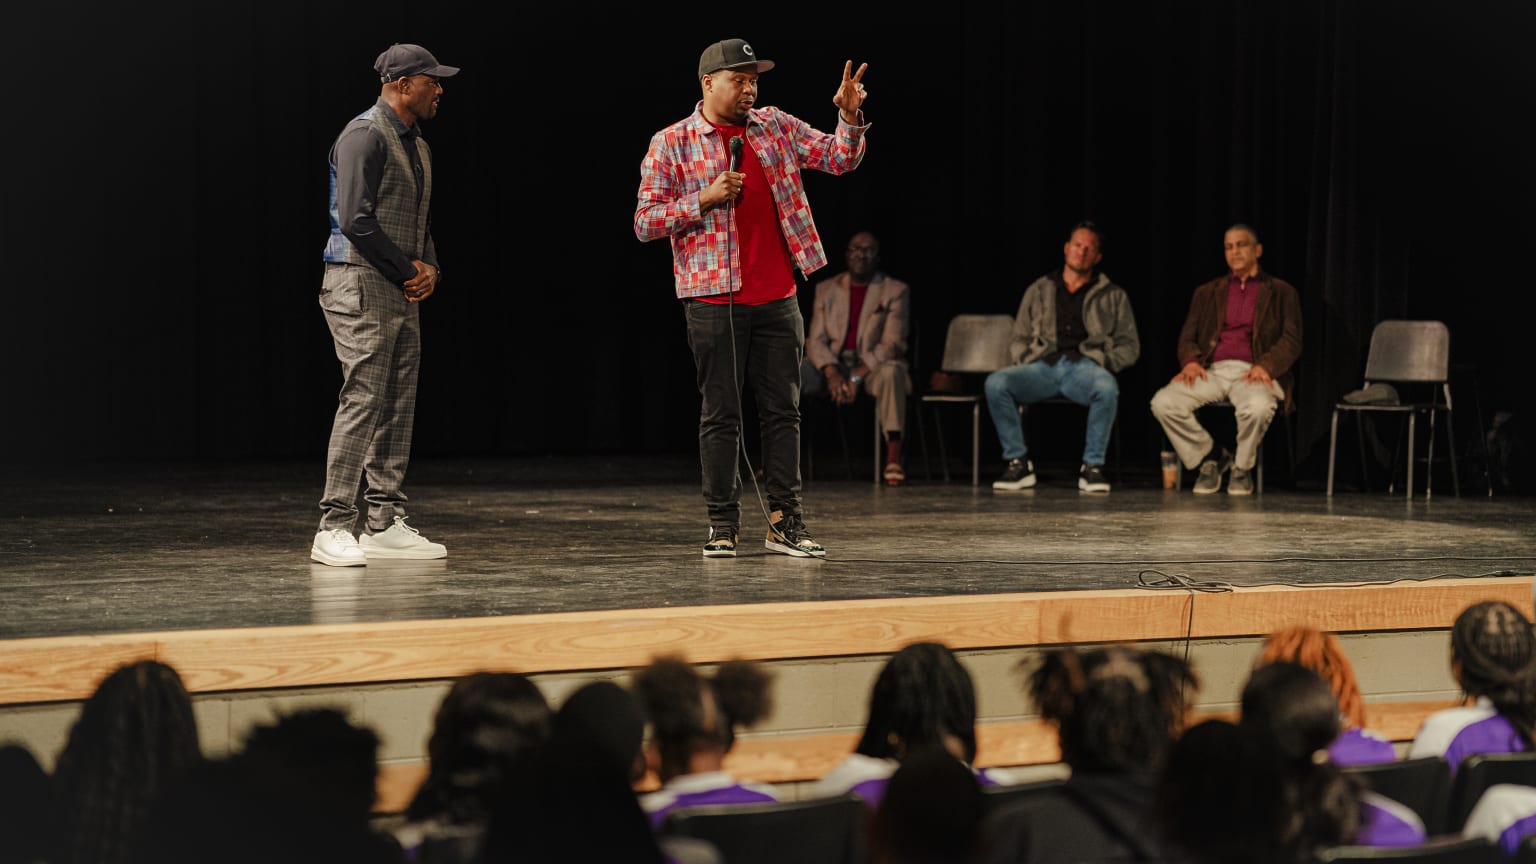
{"x":769,"y":342}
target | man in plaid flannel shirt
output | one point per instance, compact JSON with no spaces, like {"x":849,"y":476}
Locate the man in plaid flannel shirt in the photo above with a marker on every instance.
{"x":724,"y":185}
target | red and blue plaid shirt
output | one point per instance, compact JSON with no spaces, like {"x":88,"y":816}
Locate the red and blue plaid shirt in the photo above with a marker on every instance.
{"x":687,"y":156}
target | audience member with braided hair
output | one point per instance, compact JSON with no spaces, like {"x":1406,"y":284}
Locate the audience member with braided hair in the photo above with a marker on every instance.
{"x":134,"y":742}
{"x":486,"y":723}
{"x":1492,"y":655}
{"x":923,"y":698}
{"x":693,"y":720}
{"x":1322,"y":653}
{"x":1117,"y":713}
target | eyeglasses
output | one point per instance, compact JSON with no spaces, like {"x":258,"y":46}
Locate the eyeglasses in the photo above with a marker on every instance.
{"x":863,"y":250}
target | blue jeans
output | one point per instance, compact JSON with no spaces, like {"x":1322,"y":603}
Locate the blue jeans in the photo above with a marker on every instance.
{"x":1083,"y":381}
{"x":769,"y":343}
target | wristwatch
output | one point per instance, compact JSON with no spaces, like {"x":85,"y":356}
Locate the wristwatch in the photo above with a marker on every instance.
{"x":856,"y":378}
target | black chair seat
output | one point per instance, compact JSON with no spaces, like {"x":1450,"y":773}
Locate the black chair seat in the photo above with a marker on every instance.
{"x":1481,"y":770}
{"x":1441,"y":850}
{"x":814,"y":831}
{"x":1422,"y":785}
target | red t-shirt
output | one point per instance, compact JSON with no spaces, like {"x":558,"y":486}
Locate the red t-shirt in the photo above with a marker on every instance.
{"x":855,"y":305}
{"x":767,"y":271}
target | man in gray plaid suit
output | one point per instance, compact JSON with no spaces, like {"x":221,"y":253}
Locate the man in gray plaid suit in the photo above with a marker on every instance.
{"x":379,"y":263}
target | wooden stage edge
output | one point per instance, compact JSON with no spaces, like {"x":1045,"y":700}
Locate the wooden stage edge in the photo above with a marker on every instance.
{"x":66,"y":668}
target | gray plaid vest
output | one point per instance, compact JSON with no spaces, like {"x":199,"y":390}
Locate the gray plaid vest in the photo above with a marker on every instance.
{"x":403,"y":220}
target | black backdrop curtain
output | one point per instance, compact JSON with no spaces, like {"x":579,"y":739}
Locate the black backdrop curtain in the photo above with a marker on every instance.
{"x":164,"y":213}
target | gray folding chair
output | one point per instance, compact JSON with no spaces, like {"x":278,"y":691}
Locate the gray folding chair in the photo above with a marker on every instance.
{"x":1412,"y":358}
{"x":972,"y":344}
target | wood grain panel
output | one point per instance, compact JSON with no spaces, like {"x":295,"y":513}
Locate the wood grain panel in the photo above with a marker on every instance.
{"x":65,"y":668}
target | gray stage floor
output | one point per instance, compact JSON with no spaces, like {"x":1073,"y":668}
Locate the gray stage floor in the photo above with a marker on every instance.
{"x":115,"y":549}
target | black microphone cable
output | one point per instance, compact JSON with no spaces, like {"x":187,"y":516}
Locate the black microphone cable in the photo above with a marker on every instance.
{"x":735,"y":145}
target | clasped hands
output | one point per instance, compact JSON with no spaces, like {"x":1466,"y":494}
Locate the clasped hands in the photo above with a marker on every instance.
{"x":841,"y":389}
{"x":421,"y":286}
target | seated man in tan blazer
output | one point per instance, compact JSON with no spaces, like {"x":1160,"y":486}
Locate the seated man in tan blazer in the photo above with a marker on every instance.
{"x":857,"y":342}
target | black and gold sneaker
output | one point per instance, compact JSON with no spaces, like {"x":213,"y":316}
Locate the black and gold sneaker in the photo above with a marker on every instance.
{"x":787,"y":534}
{"x":722,"y":542}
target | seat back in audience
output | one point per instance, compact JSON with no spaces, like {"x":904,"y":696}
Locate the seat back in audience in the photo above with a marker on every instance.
{"x":815,"y":831}
{"x":1441,"y":850}
{"x":1481,"y":770}
{"x":1423,"y":785}
{"x":994,"y":798}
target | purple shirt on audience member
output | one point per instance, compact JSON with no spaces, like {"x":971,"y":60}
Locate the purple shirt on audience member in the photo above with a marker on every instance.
{"x":713,"y":787}
{"x":1385,"y":822}
{"x":866,"y":777}
{"x":1361,"y":747}
{"x":1457,"y":733}
{"x":1506,"y":812}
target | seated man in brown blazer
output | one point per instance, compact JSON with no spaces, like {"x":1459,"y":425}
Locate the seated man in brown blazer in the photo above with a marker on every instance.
{"x":857,"y":342}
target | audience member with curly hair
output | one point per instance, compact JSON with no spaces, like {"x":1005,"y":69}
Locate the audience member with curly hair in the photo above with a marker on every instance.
{"x":1117,"y":712}
{"x":693,"y":720}
{"x":300,"y":790}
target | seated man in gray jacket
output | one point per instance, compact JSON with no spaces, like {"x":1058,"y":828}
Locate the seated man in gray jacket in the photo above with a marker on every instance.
{"x":1074,"y":331}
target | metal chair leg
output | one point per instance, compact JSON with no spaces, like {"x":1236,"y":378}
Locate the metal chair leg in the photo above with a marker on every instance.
{"x":976,"y":443}
{"x":1412,"y":420}
{"x":1333,"y":443}
{"x":938,"y":426}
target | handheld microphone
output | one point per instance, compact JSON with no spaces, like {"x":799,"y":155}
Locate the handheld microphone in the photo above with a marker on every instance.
{"x":735,"y":145}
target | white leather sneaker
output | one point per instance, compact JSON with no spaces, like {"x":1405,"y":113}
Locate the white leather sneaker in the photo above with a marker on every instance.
{"x":401,"y":541}
{"x":338,"y":548}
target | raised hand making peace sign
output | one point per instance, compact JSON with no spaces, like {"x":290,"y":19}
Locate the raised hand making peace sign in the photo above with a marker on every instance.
{"x":850,"y":94}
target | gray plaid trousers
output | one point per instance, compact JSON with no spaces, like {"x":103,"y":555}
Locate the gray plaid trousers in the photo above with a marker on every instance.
{"x":377,"y":334}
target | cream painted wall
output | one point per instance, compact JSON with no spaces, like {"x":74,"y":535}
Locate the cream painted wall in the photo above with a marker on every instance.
{"x":824,"y":695}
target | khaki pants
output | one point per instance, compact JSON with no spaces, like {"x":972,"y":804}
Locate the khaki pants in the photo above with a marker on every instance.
{"x":888,"y":385}
{"x":1175,"y":404}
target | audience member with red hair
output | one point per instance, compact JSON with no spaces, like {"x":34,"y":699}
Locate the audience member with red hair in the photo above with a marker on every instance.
{"x":1321,"y":652}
